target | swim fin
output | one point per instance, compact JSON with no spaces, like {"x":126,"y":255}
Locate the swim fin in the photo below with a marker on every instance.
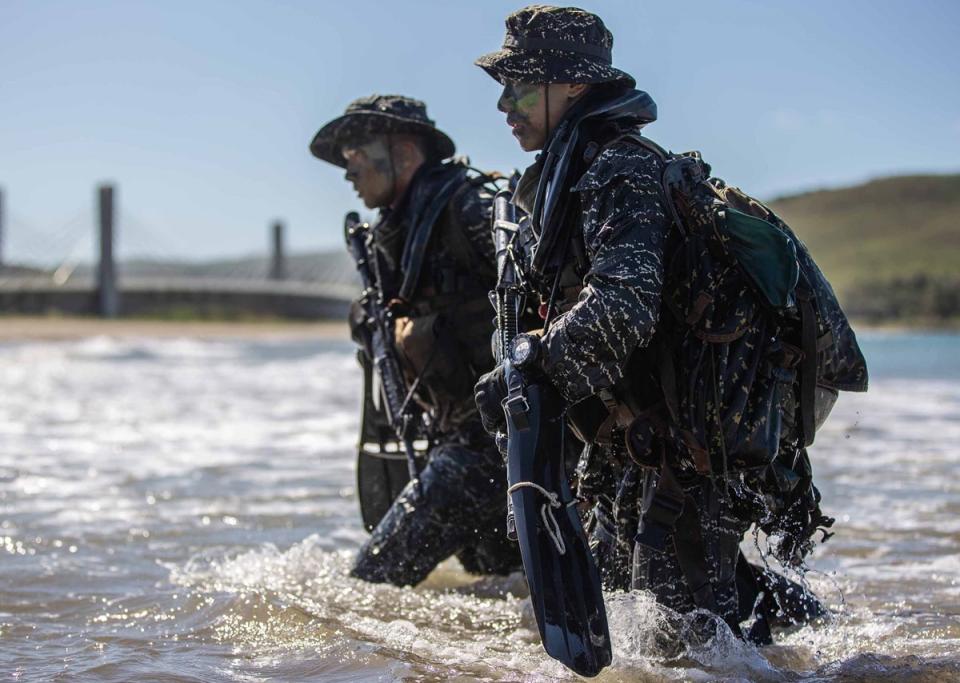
{"x":382,"y":470}
{"x":561,"y":573}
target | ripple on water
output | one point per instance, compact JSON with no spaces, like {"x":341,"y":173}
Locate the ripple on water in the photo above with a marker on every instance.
{"x":183,"y":510}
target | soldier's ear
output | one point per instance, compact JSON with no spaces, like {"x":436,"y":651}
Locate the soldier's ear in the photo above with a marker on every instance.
{"x":409,"y":151}
{"x":577,"y":90}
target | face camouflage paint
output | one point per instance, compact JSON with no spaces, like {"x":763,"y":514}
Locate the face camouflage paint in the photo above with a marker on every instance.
{"x":523,"y":104}
{"x":370,"y":170}
{"x":524,"y":96}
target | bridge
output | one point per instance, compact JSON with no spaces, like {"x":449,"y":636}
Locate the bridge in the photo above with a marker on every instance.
{"x":280,"y":286}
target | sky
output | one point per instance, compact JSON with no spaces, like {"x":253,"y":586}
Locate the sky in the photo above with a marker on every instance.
{"x":201,"y":112}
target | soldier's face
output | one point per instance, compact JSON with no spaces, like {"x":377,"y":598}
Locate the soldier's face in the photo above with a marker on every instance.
{"x":534,"y":110}
{"x":370,"y":171}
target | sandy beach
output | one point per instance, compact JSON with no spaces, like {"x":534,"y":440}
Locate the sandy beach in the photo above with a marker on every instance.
{"x":18,"y":328}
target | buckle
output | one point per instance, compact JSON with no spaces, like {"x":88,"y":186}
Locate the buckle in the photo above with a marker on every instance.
{"x":517,"y":408}
{"x":653,"y":535}
{"x":659,"y":521}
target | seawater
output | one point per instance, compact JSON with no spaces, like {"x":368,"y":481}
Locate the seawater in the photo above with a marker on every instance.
{"x":184,"y":510}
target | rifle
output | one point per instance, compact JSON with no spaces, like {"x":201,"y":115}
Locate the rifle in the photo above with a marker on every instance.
{"x":396,"y":398}
{"x":561,"y":574}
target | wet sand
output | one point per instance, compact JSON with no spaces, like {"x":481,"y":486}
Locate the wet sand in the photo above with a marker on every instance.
{"x":25,"y":328}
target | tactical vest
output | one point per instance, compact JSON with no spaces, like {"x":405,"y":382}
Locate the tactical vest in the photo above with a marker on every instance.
{"x":440,"y":298}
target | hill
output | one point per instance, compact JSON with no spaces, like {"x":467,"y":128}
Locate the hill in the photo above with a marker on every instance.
{"x":891,"y":247}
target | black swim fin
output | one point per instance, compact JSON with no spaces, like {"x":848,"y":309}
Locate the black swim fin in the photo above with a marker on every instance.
{"x":382,"y":470}
{"x":561,"y":573}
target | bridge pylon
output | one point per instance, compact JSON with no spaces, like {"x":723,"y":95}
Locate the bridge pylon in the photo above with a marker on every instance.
{"x":278,"y":258}
{"x":108,"y":298}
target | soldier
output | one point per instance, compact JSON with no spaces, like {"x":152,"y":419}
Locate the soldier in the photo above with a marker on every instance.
{"x":433,"y":255}
{"x":669,"y":505}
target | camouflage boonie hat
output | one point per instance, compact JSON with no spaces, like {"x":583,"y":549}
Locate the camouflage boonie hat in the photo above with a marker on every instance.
{"x":379,"y":115}
{"x":546,"y":44}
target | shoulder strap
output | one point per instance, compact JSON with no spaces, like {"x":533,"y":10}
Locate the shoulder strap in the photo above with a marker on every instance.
{"x":636,"y":137}
{"x":461,"y":248}
{"x":808,"y":362}
{"x":416,"y":245}
{"x":671,"y":518}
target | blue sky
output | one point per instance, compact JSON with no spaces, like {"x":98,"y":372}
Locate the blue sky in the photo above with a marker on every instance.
{"x":202,"y":111}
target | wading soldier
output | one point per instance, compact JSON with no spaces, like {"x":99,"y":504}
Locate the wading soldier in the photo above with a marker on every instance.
{"x":432,"y":255}
{"x":695,"y":373}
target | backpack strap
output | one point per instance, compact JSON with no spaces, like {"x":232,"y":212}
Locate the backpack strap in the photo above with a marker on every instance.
{"x":671,"y":515}
{"x":461,"y":248}
{"x":658,"y":520}
{"x":638,"y":138}
{"x":668,"y":158}
{"x":416,"y":245}
{"x":808,"y":362}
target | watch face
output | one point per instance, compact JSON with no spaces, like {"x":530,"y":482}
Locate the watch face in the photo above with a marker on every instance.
{"x":521,"y":350}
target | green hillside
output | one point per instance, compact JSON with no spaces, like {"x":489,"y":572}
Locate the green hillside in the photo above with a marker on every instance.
{"x":891,"y":247}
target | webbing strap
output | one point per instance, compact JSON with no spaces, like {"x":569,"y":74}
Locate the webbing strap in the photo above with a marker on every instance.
{"x":419,"y":237}
{"x":668,"y":381}
{"x":672,"y":513}
{"x":808,"y":367}
{"x":691,"y":555}
{"x":640,"y":139}
{"x":659,"y":520}
{"x":666,"y":192}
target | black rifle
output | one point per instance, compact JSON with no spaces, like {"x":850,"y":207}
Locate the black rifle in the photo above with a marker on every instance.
{"x":561,"y":574}
{"x":397,"y":399}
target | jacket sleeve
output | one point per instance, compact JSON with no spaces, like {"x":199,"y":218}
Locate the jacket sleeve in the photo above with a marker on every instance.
{"x":625,"y":228}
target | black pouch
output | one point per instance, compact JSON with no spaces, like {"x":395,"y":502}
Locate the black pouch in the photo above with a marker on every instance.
{"x":644,"y":438}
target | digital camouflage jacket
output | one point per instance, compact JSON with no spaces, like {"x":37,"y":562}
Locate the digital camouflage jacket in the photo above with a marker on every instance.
{"x":614,"y":307}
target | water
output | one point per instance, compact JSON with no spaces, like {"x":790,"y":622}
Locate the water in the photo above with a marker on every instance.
{"x":183,"y":510}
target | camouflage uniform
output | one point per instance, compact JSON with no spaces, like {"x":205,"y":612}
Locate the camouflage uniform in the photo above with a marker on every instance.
{"x":442,"y":335}
{"x":614,"y":318}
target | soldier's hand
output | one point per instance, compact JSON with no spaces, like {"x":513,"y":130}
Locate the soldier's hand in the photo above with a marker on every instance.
{"x":357,"y":320}
{"x":489,"y":393}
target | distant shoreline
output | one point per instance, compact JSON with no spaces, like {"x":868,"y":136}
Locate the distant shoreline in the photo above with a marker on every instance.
{"x":40,"y":328}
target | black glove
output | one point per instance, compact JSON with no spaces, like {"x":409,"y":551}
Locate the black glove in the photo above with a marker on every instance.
{"x":357,"y":319}
{"x":489,"y":393}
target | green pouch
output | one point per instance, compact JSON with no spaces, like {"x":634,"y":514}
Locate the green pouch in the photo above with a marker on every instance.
{"x":766,"y":254}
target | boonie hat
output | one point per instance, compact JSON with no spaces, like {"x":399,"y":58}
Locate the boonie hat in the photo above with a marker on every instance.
{"x":546,"y":44}
{"x":379,"y":115}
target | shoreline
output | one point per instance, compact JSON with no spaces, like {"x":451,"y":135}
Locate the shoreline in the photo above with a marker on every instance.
{"x":40,"y":328}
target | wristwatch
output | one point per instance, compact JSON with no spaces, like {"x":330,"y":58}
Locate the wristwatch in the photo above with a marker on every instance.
{"x":525,"y":351}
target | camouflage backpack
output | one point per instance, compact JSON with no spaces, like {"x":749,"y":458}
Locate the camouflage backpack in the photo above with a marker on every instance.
{"x":754,"y":345}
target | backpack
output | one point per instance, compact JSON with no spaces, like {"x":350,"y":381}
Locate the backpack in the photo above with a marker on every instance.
{"x":753,"y":346}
